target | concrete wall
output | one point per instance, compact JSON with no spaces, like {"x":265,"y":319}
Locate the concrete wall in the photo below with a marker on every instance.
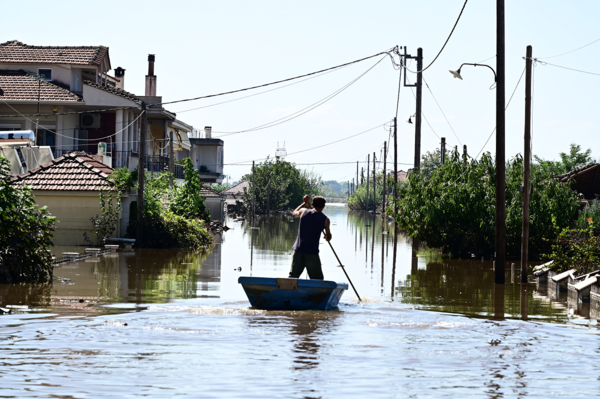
{"x":73,"y":210}
{"x":215,"y":204}
{"x":61,"y":74}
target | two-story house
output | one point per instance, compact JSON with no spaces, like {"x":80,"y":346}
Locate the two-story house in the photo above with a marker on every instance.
{"x":66,"y":96}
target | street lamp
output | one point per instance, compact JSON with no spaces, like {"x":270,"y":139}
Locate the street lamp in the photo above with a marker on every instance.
{"x":456,"y":73}
{"x":500,"y":217}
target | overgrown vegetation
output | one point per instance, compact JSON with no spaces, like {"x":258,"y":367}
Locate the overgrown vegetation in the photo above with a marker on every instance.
{"x":358,"y":199}
{"x":174,"y":217}
{"x":220,"y":187}
{"x":105,"y":224}
{"x":574,"y":159}
{"x":333,"y":189}
{"x":454,"y":208}
{"x":576,"y":248}
{"x":25,"y":234}
{"x":279,"y":185}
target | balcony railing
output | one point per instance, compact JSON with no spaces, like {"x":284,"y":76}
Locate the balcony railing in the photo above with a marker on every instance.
{"x":120,"y":159}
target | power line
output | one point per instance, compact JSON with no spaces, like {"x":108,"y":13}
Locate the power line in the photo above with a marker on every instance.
{"x":303,"y":111}
{"x":256,"y":94}
{"x":445,"y":117}
{"x":319,"y":146}
{"x":544,"y":63}
{"x":279,"y":81}
{"x":446,"y":42}
{"x":505,"y":108}
{"x":572,"y":51}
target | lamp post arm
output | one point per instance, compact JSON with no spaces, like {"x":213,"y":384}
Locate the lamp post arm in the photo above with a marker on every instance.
{"x":476,"y":65}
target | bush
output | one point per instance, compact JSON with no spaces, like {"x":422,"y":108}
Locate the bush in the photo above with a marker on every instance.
{"x":25,"y":234}
{"x":577,"y":248}
{"x":591,"y":211}
{"x":454,"y":209}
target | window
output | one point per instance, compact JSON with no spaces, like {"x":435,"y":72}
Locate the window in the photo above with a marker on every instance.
{"x":46,"y":73}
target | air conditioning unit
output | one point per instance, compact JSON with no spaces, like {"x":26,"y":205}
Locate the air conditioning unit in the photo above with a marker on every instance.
{"x":89,"y":121}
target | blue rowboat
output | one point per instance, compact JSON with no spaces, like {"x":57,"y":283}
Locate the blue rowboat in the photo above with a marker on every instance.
{"x":292,"y":293}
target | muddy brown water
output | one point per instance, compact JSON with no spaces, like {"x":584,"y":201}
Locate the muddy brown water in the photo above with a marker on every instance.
{"x":165,"y":323}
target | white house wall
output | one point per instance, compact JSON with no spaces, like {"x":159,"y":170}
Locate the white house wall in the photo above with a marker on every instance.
{"x":96,"y":97}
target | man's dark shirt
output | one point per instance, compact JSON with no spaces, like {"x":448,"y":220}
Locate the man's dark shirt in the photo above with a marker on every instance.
{"x":310,"y":229}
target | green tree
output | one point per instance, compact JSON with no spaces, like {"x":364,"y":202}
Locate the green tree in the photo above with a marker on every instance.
{"x":430,"y":161}
{"x":105,"y":223}
{"x":574,"y":159}
{"x":454,"y":209}
{"x":279,"y":184}
{"x":219,"y":187}
{"x":188,"y":201}
{"x":25,"y":234}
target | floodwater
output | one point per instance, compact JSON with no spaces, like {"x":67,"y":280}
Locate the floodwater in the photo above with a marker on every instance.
{"x":163,"y":323}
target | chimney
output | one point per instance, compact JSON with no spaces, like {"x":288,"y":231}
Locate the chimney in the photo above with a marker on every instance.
{"x":120,"y":74}
{"x":151,"y":78}
{"x":207,"y":132}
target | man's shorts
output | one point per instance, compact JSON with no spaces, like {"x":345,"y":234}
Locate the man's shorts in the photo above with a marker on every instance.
{"x":312,"y":263}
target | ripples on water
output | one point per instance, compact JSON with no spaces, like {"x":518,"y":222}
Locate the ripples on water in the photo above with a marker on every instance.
{"x":150,"y":326}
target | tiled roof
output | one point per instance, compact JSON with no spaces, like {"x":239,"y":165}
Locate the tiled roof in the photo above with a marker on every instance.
{"x":585,"y":180}
{"x":113,"y":90}
{"x":16,"y":52}
{"x":207,"y":191}
{"x":22,"y":86}
{"x":76,"y":171}
{"x":238,"y":189}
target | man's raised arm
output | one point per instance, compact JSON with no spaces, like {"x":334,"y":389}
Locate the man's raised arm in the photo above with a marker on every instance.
{"x":302,"y":207}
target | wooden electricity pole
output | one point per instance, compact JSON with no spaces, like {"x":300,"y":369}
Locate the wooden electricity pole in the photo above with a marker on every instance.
{"x":139,"y":241}
{"x":253,"y":195}
{"x":368,"y":165}
{"x":526,"y":167}
{"x":395,"y":169}
{"x":374,"y":188}
{"x":443,"y":152}
{"x":419,"y":96}
{"x":499,"y":277}
{"x":384,"y":180}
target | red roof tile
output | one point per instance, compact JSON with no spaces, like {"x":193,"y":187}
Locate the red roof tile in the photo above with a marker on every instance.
{"x":22,"y":86}
{"x":76,"y":171}
{"x":16,"y":52}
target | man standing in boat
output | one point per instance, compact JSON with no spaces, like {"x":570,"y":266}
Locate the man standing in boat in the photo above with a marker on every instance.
{"x":306,"y":248}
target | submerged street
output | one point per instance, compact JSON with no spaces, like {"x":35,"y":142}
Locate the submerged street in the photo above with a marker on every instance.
{"x":165,"y":323}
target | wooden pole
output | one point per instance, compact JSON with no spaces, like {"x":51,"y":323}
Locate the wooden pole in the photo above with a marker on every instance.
{"x":419,"y":96}
{"x":383,"y":213}
{"x":374,"y":189}
{"x":368,"y":177}
{"x":357,"y":173}
{"x":343,"y":269}
{"x":499,"y":277}
{"x":526,"y":167}
{"x":395,"y":170}
{"x":139,"y":242}
{"x":443,"y":151}
{"x":152,"y":159}
{"x":253,"y":195}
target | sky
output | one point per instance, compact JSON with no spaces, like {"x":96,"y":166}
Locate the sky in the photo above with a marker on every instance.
{"x":207,"y":47}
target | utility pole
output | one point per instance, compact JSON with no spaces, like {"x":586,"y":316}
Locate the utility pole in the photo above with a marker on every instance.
{"x":374,"y":187}
{"x":348,"y":190}
{"x":357,"y":173}
{"x":526,"y":167}
{"x":443,"y":151}
{"x":140,"y":197}
{"x":362,"y":176}
{"x":253,"y":195}
{"x":465,"y":153}
{"x":368,"y":165}
{"x":418,"y":113}
{"x":268,"y":200}
{"x":395,"y":170}
{"x":384,"y":180}
{"x":499,"y":277}
{"x":171,"y":158}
